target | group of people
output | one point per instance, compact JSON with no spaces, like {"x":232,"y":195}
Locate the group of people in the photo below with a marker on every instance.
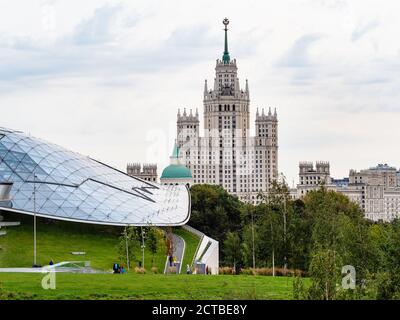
{"x":189,"y":270}
{"x":117,"y":268}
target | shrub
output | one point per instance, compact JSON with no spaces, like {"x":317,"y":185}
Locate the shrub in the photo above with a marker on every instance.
{"x":172,"y":269}
{"x":140,"y":270}
{"x":154,"y":270}
{"x":247,"y":272}
{"x":225,"y":270}
{"x":268,"y":272}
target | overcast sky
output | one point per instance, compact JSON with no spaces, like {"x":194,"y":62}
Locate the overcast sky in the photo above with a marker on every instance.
{"x":105,"y":78}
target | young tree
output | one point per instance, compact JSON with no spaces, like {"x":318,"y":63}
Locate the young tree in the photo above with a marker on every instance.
{"x":155,"y":241}
{"x":128,"y":245}
{"x":232,"y":248}
{"x":325,"y":269}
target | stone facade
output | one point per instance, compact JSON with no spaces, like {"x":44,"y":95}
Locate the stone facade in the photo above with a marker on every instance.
{"x":228,"y":155}
{"x":376,"y":190}
{"x":148,"y":172}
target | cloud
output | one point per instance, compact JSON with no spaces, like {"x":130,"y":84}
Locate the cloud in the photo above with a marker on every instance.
{"x":296,"y":61}
{"x":98,"y":28}
{"x":93,"y":47}
{"x":109,"y":73}
{"x":298,"y":55}
{"x":363,"y":29}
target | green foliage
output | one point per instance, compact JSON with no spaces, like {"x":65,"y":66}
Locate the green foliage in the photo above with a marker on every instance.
{"x":304,"y":234}
{"x":154,"y":238}
{"x":155,"y":242}
{"x":215,"y":212}
{"x":129,"y":245}
{"x":299,"y":289}
{"x":232,"y":246}
{"x":325,"y":268}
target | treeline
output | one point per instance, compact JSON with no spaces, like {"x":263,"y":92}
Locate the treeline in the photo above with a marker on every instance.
{"x":318,"y":234}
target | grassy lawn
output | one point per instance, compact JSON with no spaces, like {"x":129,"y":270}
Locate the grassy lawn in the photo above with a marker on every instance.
{"x":148,"y":286}
{"x":191,"y":243}
{"x":56,"y":241}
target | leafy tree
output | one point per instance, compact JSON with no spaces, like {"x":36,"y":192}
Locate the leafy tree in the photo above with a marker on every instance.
{"x":325,"y":268}
{"x":129,"y":237}
{"x":155,"y":241}
{"x":232,"y":246}
{"x":215,"y":212}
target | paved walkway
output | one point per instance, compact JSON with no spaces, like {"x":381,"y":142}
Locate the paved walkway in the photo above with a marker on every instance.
{"x":59,"y":267}
{"x":6,"y":224}
{"x":179,"y":251}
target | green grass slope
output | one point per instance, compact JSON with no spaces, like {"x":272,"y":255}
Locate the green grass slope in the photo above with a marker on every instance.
{"x":57,"y":240}
{"x":147,"y":286}
{"x":191,"y":243}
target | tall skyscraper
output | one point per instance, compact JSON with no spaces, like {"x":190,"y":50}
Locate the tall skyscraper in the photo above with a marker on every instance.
{"x":228,"y":155}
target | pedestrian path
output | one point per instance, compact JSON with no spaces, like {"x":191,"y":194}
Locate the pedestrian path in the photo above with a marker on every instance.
{"x":178,"y":252}
{"x":65,"y":267}
{"x":6,"y":224}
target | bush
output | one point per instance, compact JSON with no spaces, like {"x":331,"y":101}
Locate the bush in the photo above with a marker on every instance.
{"x":154,"y":270}
{"x":225,"y":270}
{"x":140,"y":270}
{"x":268,"y":272}
{"x":247,"y":271}
{"x":172,"y":270}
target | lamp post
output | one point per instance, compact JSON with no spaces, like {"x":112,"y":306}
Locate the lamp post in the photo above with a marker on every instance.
{"x":143,"y":246}
{"x":273,"y":249}
{"x":284,"y":225}
{"x":127,"y":249}
{"x":252,"y":231}
{"x":248,"y":205}
{"x":34,"y":220}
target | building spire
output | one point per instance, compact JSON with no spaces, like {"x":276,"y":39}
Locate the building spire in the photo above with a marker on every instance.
{"x":175,"y":156}
{"x":226,"y":58}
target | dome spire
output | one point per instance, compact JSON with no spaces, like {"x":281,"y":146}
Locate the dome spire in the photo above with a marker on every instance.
{"x":226,"y":58}
{"x":175,"y":151}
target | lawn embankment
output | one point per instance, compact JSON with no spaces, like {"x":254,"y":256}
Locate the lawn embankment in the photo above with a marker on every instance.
{"x":191,"y":243}
{"x":147,"y":286}
{"x":56,"y":240}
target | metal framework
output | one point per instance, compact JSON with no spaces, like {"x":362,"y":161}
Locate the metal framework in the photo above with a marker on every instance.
{"x":72,"y":187}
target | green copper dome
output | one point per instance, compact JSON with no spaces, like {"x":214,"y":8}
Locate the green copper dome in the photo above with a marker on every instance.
{"x":176,"y":171}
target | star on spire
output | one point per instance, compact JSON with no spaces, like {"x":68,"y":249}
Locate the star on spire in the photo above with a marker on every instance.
{"x":226,"y":58}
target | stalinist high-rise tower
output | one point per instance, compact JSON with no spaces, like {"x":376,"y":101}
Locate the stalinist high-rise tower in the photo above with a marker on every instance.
{"x":228,"y":155}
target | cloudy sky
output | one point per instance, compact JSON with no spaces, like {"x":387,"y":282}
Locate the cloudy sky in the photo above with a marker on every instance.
{"x":105,"y":78}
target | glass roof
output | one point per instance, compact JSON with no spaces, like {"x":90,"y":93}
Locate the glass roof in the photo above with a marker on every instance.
{"x":70,"y":186}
